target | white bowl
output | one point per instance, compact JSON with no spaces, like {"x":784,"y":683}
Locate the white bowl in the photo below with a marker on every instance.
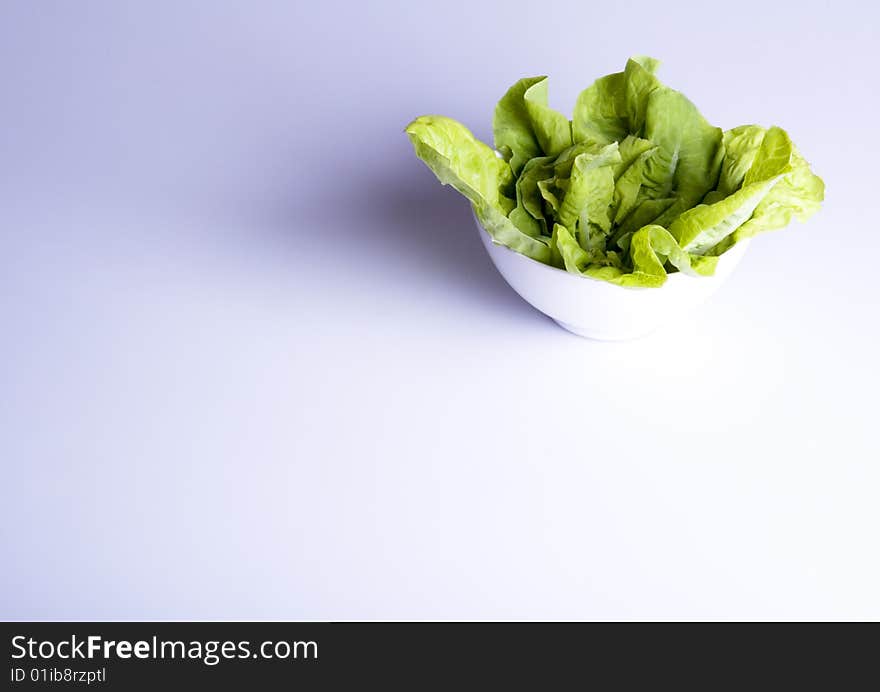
{"x":600,"y":310}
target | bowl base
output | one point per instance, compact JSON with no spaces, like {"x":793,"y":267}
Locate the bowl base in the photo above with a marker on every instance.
{"x":601,"y":335}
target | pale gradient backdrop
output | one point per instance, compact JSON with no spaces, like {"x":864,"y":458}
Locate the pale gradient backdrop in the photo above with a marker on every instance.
{"x":255,"y":364}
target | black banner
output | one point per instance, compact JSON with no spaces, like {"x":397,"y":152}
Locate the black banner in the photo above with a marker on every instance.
{"x":248,"y":655}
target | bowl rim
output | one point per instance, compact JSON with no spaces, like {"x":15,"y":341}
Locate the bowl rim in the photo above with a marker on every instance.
{"x":738,"y":249}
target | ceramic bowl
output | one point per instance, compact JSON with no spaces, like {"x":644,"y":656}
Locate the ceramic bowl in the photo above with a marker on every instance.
{"x":600,"y":310}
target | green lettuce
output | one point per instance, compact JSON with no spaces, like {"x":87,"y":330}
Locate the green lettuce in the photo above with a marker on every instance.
{"x":635,"y":186}
{"x":459,"y":159}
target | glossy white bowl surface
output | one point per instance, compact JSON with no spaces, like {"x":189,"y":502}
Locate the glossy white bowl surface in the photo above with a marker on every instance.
{"x":600,"y":310}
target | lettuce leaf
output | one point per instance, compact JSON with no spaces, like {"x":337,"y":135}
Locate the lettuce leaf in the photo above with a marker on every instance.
{"x":515,"y":137}
{"x":797,"y":196}
{"x":775,"y":187}
{"x":650,"y":248}
{"x":525,"y":127}
{"x":458,"y":159}
{"x":701,"y":228}
{"x":614,"y":106}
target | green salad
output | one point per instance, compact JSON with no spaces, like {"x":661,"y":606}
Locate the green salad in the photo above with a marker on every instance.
{"x":635,"y":186}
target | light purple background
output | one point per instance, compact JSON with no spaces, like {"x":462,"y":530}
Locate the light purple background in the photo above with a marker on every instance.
{"x":255,"y":363}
